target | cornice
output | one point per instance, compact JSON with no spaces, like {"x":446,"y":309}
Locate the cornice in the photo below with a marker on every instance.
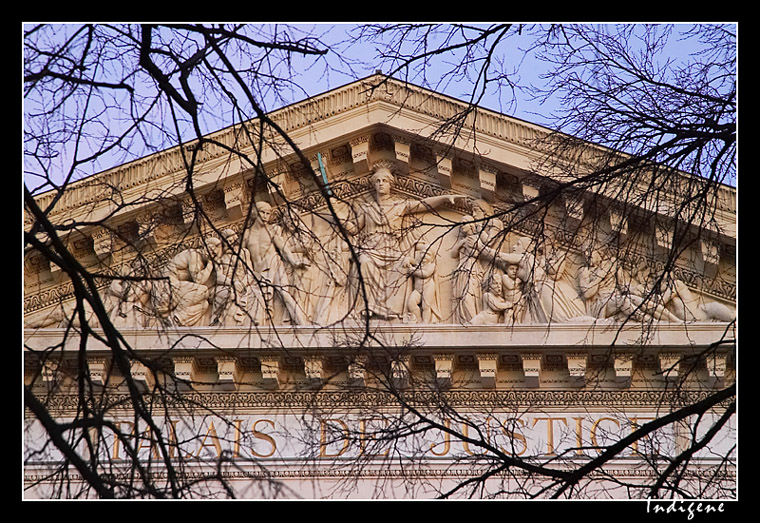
{"x":162,"y":168}
{"x":493,"y":362}
{"x":337,"y":470}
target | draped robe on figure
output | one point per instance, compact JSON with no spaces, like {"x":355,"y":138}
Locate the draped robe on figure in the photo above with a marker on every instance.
{"x":385,"y":241}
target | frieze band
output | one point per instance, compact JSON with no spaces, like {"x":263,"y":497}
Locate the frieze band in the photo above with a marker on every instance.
{"x":283,"y":275}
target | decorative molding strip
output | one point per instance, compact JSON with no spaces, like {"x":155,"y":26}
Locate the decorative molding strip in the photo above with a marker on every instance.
{"x":488,"y":399}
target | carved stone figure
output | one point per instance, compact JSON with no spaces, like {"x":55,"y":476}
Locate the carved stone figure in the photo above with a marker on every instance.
{"x":385,"y":237}
{"x":633,"y":299}
{"x":487,"y":233}
{"x":597,"y":285}
{"x":680,"y":301}
{"x":49,"y":319}
{"x":63,"y":315}
{"x":482,"y":212}
{"x":269,"y":254}
{"x":512,"y":287}
{"x":494,"y":306}
{"x":422,"y":304}
{"x":126,"y":303}
{"x":286,"y":272}
{"x":468,"y":274}
{"x":237,"y":298}
{"x":559,"y":296}
{"x":529,"y":272}
{"x":615,"y":295}
{"x":332,"y":301}
{"x":304,"y":275}
{"x":191,"y":281}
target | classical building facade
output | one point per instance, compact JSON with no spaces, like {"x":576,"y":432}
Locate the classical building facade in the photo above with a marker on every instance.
{"x":392,"y":314}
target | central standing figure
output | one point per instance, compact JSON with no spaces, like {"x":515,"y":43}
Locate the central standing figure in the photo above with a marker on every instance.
{"x":386,"y":233}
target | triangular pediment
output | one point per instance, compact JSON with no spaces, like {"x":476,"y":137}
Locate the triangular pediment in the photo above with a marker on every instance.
{"x":338,"y":252}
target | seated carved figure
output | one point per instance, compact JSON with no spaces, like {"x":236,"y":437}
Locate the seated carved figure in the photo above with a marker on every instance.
{"x":191,"y":280}
{"x":633,"y":299}
{"x":494,"y":305}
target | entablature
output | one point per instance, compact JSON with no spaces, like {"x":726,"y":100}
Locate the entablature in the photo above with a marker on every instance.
{"x":578,"y":357}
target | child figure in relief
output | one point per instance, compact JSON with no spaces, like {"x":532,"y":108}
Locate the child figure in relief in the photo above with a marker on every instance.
{"x":421,"y":305}
{"x":512,"y":288}
{"x":494,"y":305}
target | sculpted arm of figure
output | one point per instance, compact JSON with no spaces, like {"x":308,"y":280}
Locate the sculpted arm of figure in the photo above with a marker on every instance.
{"x":489,"y":253}
{"x":432,"y":202}
{"x":201,"y":270}
{"x":667,"y":292}
{"x":456,"y":247}
{"x":409,"y":266}
{"x":589,"y":288}
{"x":502,"y":259}
{"x":468,"y":242}
{"x":353,"y":226}
{"x":287,"y":254}
{"x":352,"y":222}
{"x":497,"y":303}
{"x":511,"y":258}
{"x":460,"y":244}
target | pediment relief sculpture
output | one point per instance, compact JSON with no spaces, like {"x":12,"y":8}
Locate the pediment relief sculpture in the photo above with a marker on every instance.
{"x":440,"y":259}
{"x":390,"y":261}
